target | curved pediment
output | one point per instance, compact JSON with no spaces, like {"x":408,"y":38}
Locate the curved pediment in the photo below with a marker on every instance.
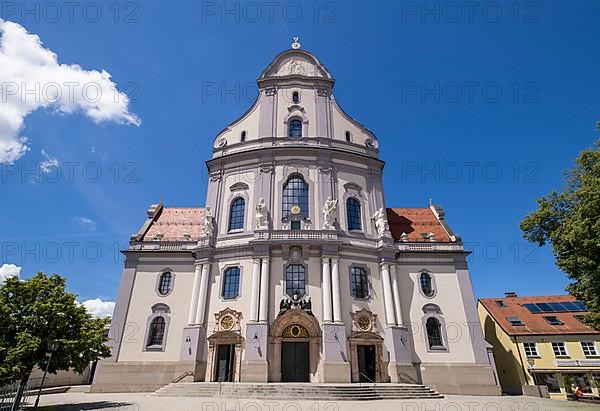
{"x":295,"y":63}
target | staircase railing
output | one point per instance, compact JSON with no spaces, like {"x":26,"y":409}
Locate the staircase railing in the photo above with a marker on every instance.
{"x":405,"y":378}
{"x":182,"y":376}
{"x":365,"y":376}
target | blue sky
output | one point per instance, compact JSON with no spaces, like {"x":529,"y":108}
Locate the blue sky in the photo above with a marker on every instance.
{"x":479,"y":109}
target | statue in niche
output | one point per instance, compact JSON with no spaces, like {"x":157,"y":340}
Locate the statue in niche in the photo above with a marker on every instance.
{"x":329,"y":211}
{"x":261,"y":215}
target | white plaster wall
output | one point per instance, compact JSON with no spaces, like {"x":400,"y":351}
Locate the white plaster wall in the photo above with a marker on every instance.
{"x":144,"y":296}
{"x":448,"y":298}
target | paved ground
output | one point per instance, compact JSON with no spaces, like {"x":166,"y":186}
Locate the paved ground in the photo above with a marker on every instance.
{"x":145,"y":402}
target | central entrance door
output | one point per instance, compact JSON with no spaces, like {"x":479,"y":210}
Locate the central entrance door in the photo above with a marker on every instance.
{"x":294,"y":362}
{"x":366,"y":362}
{"x":225,"y":363}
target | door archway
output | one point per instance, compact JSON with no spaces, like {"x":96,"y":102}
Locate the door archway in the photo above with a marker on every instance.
{"x":295,"y":341}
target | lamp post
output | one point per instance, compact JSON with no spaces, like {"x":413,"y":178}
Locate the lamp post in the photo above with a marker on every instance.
{"x":52,"y":347}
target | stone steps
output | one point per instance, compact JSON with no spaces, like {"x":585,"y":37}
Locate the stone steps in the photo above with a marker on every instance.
{"x":305,"y":391}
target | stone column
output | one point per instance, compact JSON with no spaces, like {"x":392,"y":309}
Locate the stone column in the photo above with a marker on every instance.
{"x":387,"y":295}
{"x":202,"y":298}
{"x":255,"y":367}
{"x":326,"y":291}
{"x":335,"y":282}
{"x":195,"y":291}
{"x":255,"y":290}
{"x":264,"y":291}
{"x":396,"y":294}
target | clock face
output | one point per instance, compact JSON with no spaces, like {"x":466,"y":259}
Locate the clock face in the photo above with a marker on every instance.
{"x":364,"y":323}
{"x":295,"y":209}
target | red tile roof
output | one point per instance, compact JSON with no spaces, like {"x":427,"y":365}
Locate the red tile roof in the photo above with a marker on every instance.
{"x":173,"y":223}
{"x":415,"y":222}
{"x":535,"y":324}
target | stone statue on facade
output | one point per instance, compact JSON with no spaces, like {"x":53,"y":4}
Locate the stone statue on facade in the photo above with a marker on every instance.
{"x":208,"y":225}
{"x":261,"y":215}
{"x":329,"y":211}
{"x":381,"y":222}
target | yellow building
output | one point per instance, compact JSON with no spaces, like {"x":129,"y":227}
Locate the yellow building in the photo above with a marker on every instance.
{"x":541,"y":341}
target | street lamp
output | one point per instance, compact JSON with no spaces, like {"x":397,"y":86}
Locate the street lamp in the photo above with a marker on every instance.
{"x":52,"y":347}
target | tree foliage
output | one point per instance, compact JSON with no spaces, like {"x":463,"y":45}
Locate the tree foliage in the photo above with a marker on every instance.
{"x":570,"y":221}
{"x":37,"y":311}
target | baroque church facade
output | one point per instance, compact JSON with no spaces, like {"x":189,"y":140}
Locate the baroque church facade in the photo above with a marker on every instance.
{"x":295,"y":270}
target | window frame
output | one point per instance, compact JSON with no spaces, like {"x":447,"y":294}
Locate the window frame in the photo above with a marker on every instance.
{"x":355,"y":217}
{"x":431,"y":310}
{"x":561,"y":347}
{"x":295,"y":97}
{"x":513,"y":323}
{"x":285,"y":279}
{"x":243,"y":136}
{"x":431,"y":283}
{"x":285,"y":198}
{"x":367,"y":274}
{"x":593,"y":345}
{"x":442,"y":346}
{"x":295,"y":120}
{"x":533,"y":353}
{"x":158,"y":281}
{"x":224,"y":273}
{"x":158,"y":310}
{"x":549,"y":320}
{"x":230,"y":215}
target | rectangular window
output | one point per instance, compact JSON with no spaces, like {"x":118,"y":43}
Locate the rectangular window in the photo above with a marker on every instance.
{"x":548,"y":380}
{"x":500,"y":304}
{"x":553,"y":320}
{"x":231,"y":283}
{"x":514,"y":321}
{"x":589,"y":348}
{"x":559,"y":348}
{"x":360,"y":282}
{"x":530,"y":349}
{"x":580,"y":318}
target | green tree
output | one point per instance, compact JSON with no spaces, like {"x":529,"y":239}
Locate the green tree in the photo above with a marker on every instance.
{"x":570,"y":221}
{"x":37,"y":311}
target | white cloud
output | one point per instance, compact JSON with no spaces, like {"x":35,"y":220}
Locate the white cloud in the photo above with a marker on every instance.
{"x":49,"y":163}
{"x":9,"y":270}
{"x":99,"y":308}
{"x":86,"y":222}
{"x":32,"y":78}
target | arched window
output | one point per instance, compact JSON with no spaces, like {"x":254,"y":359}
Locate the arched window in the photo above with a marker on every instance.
{"x":348,"y":136}
{"x":360,"y":282}
{"x":165,"y":282}
{"x":353,"y":214}
{"x":295,"y":128}
{"x":236,"y":214}
{"x":426,"y":284}
{"x":156,"y":333}
{"x":231,"y":283}
{"x":295,"y":97}
{"x":243,"y":136}
{"x":434,"y":333}
{"x":295,"y":279}
{"x":295,"y":193}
